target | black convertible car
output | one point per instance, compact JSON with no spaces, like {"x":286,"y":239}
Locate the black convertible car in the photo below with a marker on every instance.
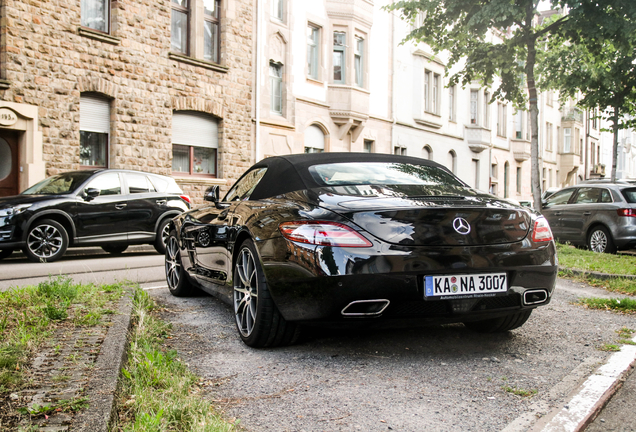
{"x":330,"y":238}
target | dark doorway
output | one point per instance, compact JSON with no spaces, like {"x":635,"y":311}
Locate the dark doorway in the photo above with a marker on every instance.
{"x":9,"y":166}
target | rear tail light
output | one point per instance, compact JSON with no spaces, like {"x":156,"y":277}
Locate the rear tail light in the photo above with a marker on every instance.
{"x":541,"y":231}
{"x":186,"y":198}
{"x":626,"y":212}
{"x":323,"y":234}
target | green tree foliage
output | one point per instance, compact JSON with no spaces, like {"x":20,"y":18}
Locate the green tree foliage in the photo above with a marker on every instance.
{"x":596,"y":61}
{"x":465,"y":28}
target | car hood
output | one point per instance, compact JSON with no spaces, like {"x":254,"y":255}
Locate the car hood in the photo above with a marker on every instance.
{"x":423,"y":215}
{"x":10,"y":201}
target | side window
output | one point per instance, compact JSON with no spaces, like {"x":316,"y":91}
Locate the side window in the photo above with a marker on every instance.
{"x":560,"y":198}
{"x":161,"y":185}
{"x":108,"y":184}
{"x":587,"y":195}
{"x":244,"y":187}
{"x":606,"y":197}
{"x":630,"y":195}
{"x":138,"y":183}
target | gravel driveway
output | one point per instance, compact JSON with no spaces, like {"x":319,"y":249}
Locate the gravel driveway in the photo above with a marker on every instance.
{"x":441,"y":378}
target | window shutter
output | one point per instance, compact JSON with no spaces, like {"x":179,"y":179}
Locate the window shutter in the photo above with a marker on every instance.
{"x":314,"y":137}
{"x":94,"y":114}
{"x":195,"y":129}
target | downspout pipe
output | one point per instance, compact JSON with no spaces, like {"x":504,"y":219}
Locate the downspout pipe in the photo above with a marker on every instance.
{"x":257,"y":84}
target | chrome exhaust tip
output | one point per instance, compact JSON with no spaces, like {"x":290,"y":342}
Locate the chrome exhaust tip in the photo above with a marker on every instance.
{"x":365,"y":308}
{"x":533,"y":297}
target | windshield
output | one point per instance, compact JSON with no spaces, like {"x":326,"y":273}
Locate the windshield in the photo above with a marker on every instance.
{"x":59,"y":185}
{"x":382,"y":173}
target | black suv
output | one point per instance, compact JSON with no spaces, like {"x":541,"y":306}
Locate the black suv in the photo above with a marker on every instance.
{"x":106,"y":207}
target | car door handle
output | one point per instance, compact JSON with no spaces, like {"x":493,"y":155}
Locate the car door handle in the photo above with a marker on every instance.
{"x":587,"y":213}
{"x":161,"y":202}
{"x":557,"y":213}
{"x":120,"y":206}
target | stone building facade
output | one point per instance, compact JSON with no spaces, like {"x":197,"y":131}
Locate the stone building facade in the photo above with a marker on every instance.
{"x":54,"y":57}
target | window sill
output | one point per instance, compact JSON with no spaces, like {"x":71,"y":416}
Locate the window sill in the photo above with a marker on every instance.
{"x":430,"y":120}
{"x":196,"y":62}
{"x":315,"y":81}
{"x":102,"y":37}
{"x":4,"y":84}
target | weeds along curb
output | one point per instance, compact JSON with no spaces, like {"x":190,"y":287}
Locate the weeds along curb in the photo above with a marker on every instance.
{"x":103,"y":385}
{"x":597,"y":275}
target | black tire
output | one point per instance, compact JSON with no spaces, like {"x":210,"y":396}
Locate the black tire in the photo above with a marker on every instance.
{"x":4,"y":253}
{"x":178,"y":280}
{"x":258,"y":321}
{"x":115,"y":248}
{"x":162,"y":236}
{"x":501,"y":324}
{"x":46,"y":241}
{"x":600,"y":240}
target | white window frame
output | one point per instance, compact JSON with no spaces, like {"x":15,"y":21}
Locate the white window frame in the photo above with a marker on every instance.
{"x":340,"y":50}
{"x":358,"y":61}
{"x":313,"y":51}
{"x":276,"y":87}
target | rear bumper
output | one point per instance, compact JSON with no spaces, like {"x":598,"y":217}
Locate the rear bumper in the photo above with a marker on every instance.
{"x":317,"y":283}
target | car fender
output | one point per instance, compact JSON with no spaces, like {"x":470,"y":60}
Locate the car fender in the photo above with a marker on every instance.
{"x":44,"y":213}
{"x":599,"y":219}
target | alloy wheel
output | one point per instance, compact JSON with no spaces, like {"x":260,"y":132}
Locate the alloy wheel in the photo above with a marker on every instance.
{"x":598,"y":241}
{"x":45,"y":241}
{"x":245,"y":292}
{"x":173,"y":263}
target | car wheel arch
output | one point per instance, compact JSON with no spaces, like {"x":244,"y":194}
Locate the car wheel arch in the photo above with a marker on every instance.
{"x":595,"y":225}
{"x":59,"y":217}
{"x":166,"y":215}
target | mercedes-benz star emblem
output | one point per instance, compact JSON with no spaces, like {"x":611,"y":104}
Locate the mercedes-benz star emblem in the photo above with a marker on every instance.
{"x":461,"y":226}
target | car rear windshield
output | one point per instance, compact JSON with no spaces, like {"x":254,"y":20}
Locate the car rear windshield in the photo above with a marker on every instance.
{"x":59,"y":185}
{"x":630,"y":195}
{"x":381,"y":173}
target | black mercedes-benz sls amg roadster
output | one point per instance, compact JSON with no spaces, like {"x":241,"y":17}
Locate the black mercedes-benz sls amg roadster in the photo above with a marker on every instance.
{"x":333,"y":238}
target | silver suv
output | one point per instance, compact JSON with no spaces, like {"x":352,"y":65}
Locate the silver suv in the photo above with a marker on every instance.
{"x":601,"y":216}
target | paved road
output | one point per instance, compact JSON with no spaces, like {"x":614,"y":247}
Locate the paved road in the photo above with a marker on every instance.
{"x":434,"y":378}
{"x":140,"y":264}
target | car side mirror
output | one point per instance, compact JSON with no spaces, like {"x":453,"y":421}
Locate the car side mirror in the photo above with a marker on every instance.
{"x":212,"y":194}
{"x":91,"y":193}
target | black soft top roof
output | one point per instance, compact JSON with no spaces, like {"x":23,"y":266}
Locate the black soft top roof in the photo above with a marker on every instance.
{"x":291,"y":172}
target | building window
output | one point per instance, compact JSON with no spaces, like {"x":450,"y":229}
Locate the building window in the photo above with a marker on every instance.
{"x":476,"y":170}
{"x":544,"y":179}
{"x":277,"y":9}
{"x":506,"y":179}
{"x":451,"y":103}
{"x":339,"y":43}
{"x":452,"y":162}
{"x":427,"y":153}
{"x":501,"y":119}
{"x":398,"y":150}
{"x":95,"y":15}
{"x":431,"y":92}
{"x":549,"y":98}
{"x":276,"y":87}
{"x":211,"y":30}
{"x":519,"y":125}
{"x":567,"y":140}
{"x":94,"y":130}
{"x":548,"y":133}
{"x":519,"y":180}
{"x":179,"y":26}
{"x":314,"y":140}
{"x":358,"y":61}
{"x":313,"y":38}
{"x":368,"y":146}
{"x":486,"y":109}
{"x":473,"y":107}
{"x":195,"y":139}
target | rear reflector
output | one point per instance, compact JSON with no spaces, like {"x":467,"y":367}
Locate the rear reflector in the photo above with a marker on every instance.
{"x":626,"y":212}
{"x":541,"y":231}
{"x":186,"y":198}
{"x":322,"y":233}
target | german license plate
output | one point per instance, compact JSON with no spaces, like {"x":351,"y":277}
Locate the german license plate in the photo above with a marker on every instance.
{"x":465,"y":286}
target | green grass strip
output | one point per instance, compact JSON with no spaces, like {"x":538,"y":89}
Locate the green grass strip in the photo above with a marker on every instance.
{"x":580,"y":259}
{"x":159,"y":393}
{"x":626,"y":305}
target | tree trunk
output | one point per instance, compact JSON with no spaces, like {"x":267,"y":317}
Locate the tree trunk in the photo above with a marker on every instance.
{"x":615,"y":117}
{"x":535,"y":180}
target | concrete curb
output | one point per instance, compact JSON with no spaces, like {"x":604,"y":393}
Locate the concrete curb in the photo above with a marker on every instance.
{"x":597,"y":275}
{"x":103,"y":385}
